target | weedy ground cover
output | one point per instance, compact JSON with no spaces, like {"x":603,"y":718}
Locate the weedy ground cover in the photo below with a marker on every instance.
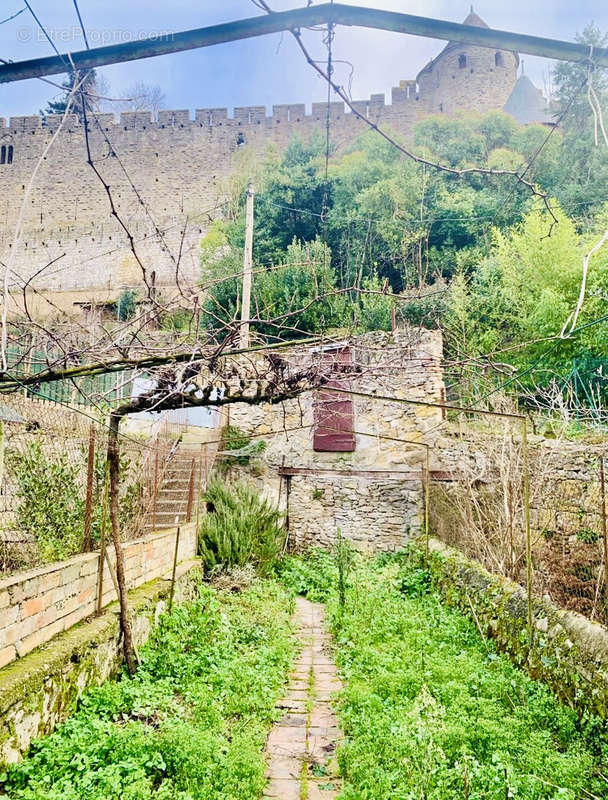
{"x":429,"y":710}
{"x":190,"y":726}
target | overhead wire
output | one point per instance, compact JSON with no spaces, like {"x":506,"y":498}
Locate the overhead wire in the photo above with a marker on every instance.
{"x":13,"y":16}
{"x":80,"y":22}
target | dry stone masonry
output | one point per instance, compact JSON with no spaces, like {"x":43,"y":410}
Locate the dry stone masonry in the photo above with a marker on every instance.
{"x":373,"y":493}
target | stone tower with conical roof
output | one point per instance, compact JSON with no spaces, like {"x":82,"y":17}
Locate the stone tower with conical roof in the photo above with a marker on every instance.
{"x":464,"y":77}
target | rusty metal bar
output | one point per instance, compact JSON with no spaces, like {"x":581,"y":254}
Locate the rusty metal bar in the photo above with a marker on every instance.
{"x":175,"y":554}
{"x":361,"y":473}
{"x":102,"y":545}
{"x":423,"y":403}
{"x":427,"y":486}
{"x":88,"y":511}
{"x":325,"y":14}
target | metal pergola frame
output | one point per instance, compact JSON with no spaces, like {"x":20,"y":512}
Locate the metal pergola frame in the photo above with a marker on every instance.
{"x":325,"y":14}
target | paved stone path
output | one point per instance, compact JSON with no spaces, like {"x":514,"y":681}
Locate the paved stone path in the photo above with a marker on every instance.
{"x":301,"y":746}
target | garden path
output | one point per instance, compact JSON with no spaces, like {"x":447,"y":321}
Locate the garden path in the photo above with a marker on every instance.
{"x":301,"y":746}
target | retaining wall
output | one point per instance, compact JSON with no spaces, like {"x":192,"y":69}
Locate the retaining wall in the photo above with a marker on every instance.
{"x":37,"y":605}
{"x":373,"y":513}
{"x":569,"y":653}
{"x":41,"y":690}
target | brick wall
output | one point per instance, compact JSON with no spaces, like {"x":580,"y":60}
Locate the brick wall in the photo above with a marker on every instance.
{"x":39,"y":604}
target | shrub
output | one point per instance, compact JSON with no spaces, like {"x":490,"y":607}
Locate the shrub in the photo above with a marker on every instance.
{"x":240,"y":528}
{"x":314,"y":577}
{"x":233,"y":438}
{"x":126,"y":305}
{"x":50,"y":493}
{"x":50,"y":501}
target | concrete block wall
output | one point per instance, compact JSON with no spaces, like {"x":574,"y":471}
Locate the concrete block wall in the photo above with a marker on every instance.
{"x":41,"y":690}
{"x":37,"y":605}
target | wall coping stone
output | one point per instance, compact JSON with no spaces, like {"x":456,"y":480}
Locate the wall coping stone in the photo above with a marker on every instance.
{"x":50,"y":659}
{"x":82,"y":558}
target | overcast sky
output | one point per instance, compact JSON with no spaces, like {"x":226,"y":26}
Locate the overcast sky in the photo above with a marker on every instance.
{"x":266,"y":70}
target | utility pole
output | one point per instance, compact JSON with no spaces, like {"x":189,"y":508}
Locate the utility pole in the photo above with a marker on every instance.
{"x":247,"y":268}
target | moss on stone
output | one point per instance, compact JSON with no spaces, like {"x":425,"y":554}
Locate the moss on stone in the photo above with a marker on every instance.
{"x":568,"y":652}
{"x":49,"y":680}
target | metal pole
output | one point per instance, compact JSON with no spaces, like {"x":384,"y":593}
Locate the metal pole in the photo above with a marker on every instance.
{"x":604,"y":530}
{"x":190,"y":492}
{"x":281,"y":482}
{"x":88,"y":512}
{"x":426,"y":499}
{"x":247,"y":268}
{"x":200,"y":488}
{"x":155,"y":487}
{"x":174,"y":568}
{"x":327,"y":13}
{"x":102,"y":546}
{"x":526,"y":477}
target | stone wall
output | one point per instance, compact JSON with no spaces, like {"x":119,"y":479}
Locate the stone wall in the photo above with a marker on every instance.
{"x":373,"y":493}
{"x":569,"y":653}
{"x":374,"y":513}
{"x":168,"y":176}
{"x":479,"y":509}
{"x":37,"y":605}
{"x":565,"y":478}
{"x":42,"y":689}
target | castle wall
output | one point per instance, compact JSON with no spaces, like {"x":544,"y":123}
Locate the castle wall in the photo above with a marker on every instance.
{"x":167,"y":177}
{"x":166,"y":174}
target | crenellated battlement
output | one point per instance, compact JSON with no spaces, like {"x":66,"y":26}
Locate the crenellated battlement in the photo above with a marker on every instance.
{"x":290,"y":113}
{"x":169,"y":173}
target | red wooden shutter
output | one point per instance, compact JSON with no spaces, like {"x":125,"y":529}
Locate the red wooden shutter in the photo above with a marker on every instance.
{"x":334,"y":414}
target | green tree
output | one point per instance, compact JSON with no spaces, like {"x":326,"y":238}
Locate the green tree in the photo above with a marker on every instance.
{"x":290,"y":300}
{"x":84,"y":98}
{"x":522,"y":295}
{"x":583,"y":166}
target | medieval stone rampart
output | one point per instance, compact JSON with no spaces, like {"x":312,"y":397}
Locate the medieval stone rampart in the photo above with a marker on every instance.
{"x":168,"y":173}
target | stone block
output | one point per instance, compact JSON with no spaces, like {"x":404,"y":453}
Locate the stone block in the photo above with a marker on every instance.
{"x":51,"y":580}
{"x":10,"y":615}
{"x":33,"y":606}
{"x":7,"y":654}
{"x":30,"y":642}
{"x":90,"y":566}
